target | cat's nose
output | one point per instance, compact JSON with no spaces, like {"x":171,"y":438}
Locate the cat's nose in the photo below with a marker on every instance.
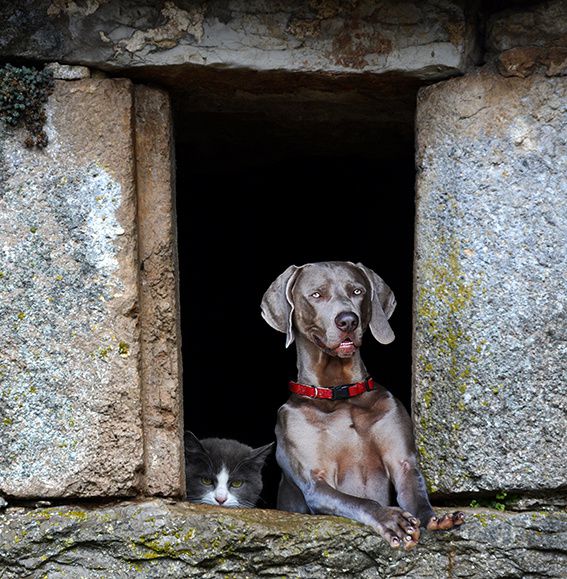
{"x":220,"y":500}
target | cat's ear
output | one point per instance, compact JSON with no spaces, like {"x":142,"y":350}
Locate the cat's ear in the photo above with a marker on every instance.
{"x":192,"y":443}
{"x":260,"y":454}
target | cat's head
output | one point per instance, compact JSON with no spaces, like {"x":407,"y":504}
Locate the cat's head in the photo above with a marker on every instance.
{"x":223,"y":471}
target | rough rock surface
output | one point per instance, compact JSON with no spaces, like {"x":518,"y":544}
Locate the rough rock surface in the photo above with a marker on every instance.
{"x":537,"y":24}
{"x":319,"y":35}
{"x":90,"y":403}
{"x":529,"y":39}
{"x":159,"y":311}
{"x":177,"y":540}
{"x":70,"y":421}
{"x":490,"y":300}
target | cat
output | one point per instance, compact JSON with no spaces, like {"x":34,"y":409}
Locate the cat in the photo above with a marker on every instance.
{"x":223,"y":471}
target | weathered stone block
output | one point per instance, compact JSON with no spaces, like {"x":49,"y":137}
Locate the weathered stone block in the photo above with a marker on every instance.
{"x":159,"y":321}
{"x":179,"y":540}
{"x":537,"y":24}
{"x":529,"y":39}
{"x":425,"y":39}
{"x":70,"y":408}
{"x":490,"y":367}
{"x":68,"y":72}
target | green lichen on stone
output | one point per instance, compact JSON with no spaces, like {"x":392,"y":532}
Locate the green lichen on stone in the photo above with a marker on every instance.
{"x":482,"y":518}
{"x":445,"y":365}
{"x":43,"y":514}
{"x":440,"y":305}
{"x":24,"y":91}
{"x":19,"y":537}
{"x":427,"y":396}
{"x":190,"y":534}
{"x":123,"y":349}
{"x":104,"y":351}
{"x":163,"y":544}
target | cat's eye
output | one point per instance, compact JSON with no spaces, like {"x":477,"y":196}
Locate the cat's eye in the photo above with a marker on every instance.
{"x":236,"y":483}
{"x":207,"y":481}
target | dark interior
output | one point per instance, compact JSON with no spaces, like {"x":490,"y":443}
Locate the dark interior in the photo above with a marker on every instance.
{"x":263,"y":183}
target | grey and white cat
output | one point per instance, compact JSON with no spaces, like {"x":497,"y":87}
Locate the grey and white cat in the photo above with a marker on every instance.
{"x":223,"y":471}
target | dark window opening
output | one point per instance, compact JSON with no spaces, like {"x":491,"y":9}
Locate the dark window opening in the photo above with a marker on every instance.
{"x":271,"y":175}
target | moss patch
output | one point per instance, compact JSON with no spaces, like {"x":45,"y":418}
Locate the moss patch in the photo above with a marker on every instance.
{"x":23,"y":94}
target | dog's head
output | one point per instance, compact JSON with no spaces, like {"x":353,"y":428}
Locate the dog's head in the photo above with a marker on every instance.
{"x":331,"y":303}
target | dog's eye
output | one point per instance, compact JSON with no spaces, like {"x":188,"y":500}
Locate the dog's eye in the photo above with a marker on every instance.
{"x":357,"y":291}
{"x":316,"y":295}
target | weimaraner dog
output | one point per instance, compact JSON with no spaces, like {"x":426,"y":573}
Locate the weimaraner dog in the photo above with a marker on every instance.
{"x":344,"y":444}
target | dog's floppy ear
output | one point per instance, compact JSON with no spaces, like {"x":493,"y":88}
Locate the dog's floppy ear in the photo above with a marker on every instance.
{"x":277,"y":306}
{"x":383,"y":305}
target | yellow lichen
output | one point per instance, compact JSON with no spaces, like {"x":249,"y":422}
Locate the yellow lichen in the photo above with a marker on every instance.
{"x":445,"y":295}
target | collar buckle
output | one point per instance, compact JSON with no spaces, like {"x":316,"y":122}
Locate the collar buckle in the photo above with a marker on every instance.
{"x":341,"y":392}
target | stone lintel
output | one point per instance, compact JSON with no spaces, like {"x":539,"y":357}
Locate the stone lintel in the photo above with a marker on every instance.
{"x":430,"y":40}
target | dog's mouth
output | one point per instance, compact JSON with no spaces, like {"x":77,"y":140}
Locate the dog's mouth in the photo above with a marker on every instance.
{"x":344,"y":349}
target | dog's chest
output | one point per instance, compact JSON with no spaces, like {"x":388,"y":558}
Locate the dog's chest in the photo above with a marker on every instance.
{"x":350,"y":447}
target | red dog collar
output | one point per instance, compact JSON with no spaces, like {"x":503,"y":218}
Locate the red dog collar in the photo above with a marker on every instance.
{"x":334,"y":393}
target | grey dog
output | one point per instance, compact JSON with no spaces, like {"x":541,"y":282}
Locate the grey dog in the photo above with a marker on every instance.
{"x":344,"y":444}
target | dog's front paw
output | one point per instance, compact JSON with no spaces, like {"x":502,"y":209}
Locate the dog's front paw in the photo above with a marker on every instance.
{"x":399,"y":528}
{"x":447,"y":521}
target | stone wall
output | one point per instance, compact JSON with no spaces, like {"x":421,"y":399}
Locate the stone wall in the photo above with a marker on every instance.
{"x":490,"y":285}
{"x":72,"y":414}
{"x":157,"y":539}
{"x":90,"y":382}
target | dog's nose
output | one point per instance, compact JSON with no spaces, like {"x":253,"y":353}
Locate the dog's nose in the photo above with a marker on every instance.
{"x":346,"y":321}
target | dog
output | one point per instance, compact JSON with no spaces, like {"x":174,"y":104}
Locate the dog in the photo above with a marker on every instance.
{"x":345,"y":444}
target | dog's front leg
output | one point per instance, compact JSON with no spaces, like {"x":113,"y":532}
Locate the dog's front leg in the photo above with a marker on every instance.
{"x":411,"y":494}
{"x":290,"y":497}
{"x":398,"y":527}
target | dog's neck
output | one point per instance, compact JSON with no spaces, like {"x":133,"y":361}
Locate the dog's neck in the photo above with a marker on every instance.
{"x":317,"y":368}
